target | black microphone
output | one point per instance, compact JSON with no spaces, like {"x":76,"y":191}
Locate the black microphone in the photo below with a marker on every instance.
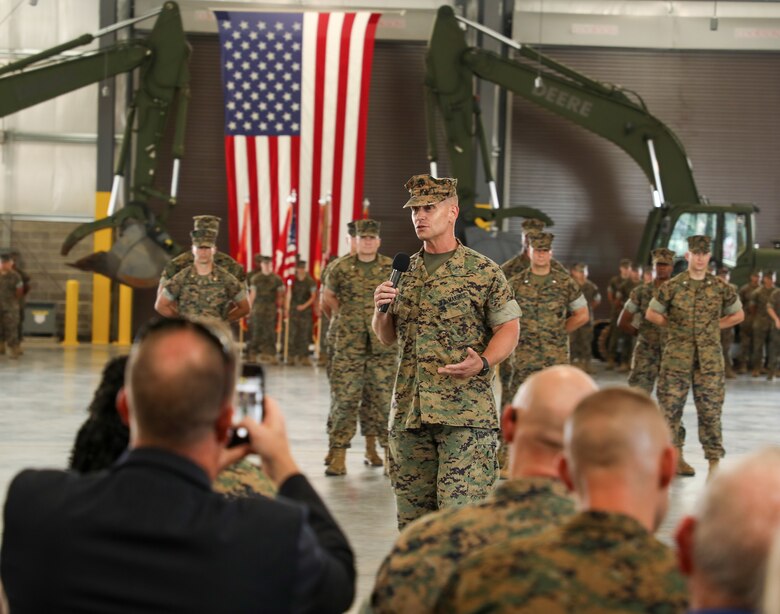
{"x":400,"y":265}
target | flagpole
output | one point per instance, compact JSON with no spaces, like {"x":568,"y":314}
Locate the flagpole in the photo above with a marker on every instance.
{"x":287,"y":301}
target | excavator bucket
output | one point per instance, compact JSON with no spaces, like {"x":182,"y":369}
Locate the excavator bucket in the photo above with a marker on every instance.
{"x":136,"y":259}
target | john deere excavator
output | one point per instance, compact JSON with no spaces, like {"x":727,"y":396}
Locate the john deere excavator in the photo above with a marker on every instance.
{"x":614,"y":113}
{"x":143,"y":245}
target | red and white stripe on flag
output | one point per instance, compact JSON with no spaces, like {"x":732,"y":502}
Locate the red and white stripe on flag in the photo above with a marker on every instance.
{"x":314,"y":147}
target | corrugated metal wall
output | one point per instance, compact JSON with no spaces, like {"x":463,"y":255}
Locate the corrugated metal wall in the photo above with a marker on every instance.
{"x":722,"y":107}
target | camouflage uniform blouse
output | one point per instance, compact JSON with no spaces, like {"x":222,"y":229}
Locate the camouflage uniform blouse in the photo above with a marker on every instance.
{"x":637,"y":303}
{"x":209,"y":296}
{"x":185,"y":259}
{"x":414,"y":574}
{"x":594,"y":563}
{"x":759,"y":299}
{"x":543,"y":336}
{"x":436,"y":318}
{"x":267,"y":289}
{"x":354,"y":283}
{"x":693,"y":310}
{"x":592,"y":295}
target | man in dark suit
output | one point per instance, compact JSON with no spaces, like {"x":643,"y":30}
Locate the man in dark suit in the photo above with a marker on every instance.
{"x":150,"y":534}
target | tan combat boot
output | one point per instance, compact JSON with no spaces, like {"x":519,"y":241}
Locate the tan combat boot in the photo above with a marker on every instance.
{"x":14,"y":352}
{"x":372,"y":459}
{"x":328,"y":456}
{"x":610,"y":364}
{"x":337,"y":464}
{"x":742,"y":369}
{"x":756,"y":372}
{"x":683,"y":468}
{"x":2,"y":348}
{"x":730,"y":372}
{"x":713,"y":468}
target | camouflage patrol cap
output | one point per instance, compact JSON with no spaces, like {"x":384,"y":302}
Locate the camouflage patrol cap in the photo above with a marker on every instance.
{"x":367,"y":228}
{"x":579,"y":267}
{"x":625,"y":262}
{"x":5,"y":257}
{"x":351,"y":231}
{"x":300,"y":264}
{"x":206,"y":222}
{"x":260,"y":258}
{"x":541,"y":240}
{"x":699,"y":244}
{"x":531,"y":224}
{"x":204,"y":237}
{"x":768,"y":273}
{"x":662,"y":255}
{"x":427,"y":190}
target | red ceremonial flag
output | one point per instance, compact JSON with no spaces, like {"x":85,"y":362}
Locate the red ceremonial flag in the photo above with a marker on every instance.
{"x":296,"y":104}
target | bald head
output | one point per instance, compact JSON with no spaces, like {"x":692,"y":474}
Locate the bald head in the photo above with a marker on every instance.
{"x":619,"y":456}
{"x":545,"y":401}
{"x":736,"y":519}
{"x":615,"y":428}
{"x":178,"y":380}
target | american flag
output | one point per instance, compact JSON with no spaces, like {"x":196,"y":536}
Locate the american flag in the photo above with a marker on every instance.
{"x":296,"y":91}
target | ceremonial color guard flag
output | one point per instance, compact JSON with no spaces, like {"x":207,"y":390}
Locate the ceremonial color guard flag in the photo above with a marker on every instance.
{"x":296,"y":91}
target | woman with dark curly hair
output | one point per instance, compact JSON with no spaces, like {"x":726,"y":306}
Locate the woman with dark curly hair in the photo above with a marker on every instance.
{"x":103,"y":438}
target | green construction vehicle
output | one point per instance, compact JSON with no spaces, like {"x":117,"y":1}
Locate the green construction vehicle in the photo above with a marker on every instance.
{"x":616,"y":114}
{"x":143,"y":245}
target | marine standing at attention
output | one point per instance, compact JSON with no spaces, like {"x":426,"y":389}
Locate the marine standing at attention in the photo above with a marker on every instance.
{"x":361,"y":381}
{"x":646,"y":360}
{"x":266,"y":293}
{"x":694,"y":306}
{"x":203,"y":289}
{"x":455,"y":318}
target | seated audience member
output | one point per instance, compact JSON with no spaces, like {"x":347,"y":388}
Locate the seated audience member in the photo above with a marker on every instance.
{"x":619,"y":460}
{"x":723,"y":547}
{"x":413,"y":575}
{"x":103,"y":438}
{"x":150,"y":535}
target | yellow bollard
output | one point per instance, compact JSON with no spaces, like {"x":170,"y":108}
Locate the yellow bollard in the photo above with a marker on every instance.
{"x":125,"y":316}
{"x":71,"y":314}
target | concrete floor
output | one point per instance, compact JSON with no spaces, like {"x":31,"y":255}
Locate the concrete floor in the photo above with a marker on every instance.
{"x":43,"y":399}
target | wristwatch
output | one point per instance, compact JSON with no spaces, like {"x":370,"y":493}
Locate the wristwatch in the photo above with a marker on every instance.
{"x":485,"y":367}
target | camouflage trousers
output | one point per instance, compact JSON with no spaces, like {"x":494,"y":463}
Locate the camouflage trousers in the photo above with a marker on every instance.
{"x":621,"y":345}
{"x":709,"y":391}
{"x":361,"y":386}
{"x":726,"y":341}
{"x":581,"y":343}
{"x":439,"y":466}
{"x":774,"y":344}
{"x":301,"y":327}
{"x":262,"y":330}
{"x":762,"y":344}
{"x":645,"y":365}
{"x":9,"y":325}
{"x":746,"y":341}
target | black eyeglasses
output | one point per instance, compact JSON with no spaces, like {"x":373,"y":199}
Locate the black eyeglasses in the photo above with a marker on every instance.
{"x":215,"y":335}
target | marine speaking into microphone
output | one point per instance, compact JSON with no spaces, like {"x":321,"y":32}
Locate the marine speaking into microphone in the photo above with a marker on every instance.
{"x":400,"y":266}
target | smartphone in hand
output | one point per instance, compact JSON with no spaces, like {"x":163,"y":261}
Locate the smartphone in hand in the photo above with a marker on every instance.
{"x":250,"y":395}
